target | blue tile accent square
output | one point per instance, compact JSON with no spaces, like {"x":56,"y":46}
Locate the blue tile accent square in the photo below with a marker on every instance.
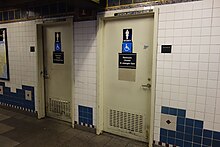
{"x":85,"y":115}
{"x":207,"y":133}
{"x":215,"y":143}
{"x":197,"y":139}
{"x":163,"y":139}
{"x":188,"y":137}
{"x":171,"y":134}
{"x":171,"y":140}
{"x":18,"y":98}
{"x":198,"y":124}
{"x":189,"y":130}
{"x":187,"y":144}
{"x":163,"y":132}
{"x":181,"y":113}
{"x":189,"y":122}
{"x":180,"y":128}
{"x":173,"y":111}
{"x":206,"y":141}
{"x":179,"y":142}
{"x":179,"y":135}
{"x":197,"y":131}
{"x":180,"y":121}
{"x":164,"y":110}
{"x":216,"y":135}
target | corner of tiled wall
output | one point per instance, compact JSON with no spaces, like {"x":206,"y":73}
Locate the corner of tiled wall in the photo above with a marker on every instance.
{"x":22,"y":62}
{"x":188,"y":78}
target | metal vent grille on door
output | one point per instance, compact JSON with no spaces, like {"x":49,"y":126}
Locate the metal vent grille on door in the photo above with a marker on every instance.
{"x":126,"y":121}
{"x":59,"y":106}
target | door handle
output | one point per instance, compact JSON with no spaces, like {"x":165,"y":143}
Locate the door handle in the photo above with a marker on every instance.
{"x":146,"y":86}
{"x":45,"y":74}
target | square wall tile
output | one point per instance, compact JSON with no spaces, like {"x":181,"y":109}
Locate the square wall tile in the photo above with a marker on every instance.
{"x":168,"y":122}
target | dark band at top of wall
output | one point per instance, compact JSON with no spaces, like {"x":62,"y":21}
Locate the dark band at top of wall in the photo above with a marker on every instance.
{"x":125,"y":4}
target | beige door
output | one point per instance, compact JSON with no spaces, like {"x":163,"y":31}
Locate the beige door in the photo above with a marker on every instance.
{"x":127,"y":91}
{"x":58,"y":76}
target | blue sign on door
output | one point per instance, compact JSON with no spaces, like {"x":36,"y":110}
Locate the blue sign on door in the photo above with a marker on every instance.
{"x":57,"y":46}
{"x":127,"y":47}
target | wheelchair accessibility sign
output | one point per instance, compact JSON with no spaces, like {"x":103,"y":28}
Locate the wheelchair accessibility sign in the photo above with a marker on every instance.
{"x":127,"y":47}
{"x":57,"y":44}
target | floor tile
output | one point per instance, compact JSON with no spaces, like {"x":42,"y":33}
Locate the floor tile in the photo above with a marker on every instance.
{"x":3,"y":117}
{"x":5,"y":128}
{"x":6,"y":142}
{"x":18,"y":128}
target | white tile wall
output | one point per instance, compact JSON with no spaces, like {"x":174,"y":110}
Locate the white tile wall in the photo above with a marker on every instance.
{"x":85,"y":65}
{"x":22,"y":62}
{"x":192,"y":81}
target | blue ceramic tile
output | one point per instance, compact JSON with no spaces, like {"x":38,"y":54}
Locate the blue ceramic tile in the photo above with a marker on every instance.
{"x":216,"y":135}
{"x":24,"y":87}
{"x":206,"y":141}
{"x":179,"y":142}
{"x":7,"y":90}
{"x":188,"y":137}
{"x":124,"y":2}
{"x":84,"y":115}
{"x":90,"y":121}
{"x":11,"y":15}
{"x":189,"y":130}
{"x":163,"y":139}
{"x":187,"y":144}
{"x":215,"y":143}
{"x":180,"y":128}
{"x":0,"y":16}
{"x":198,"y":124}
{"x":90,"y":110}
{"x":171,"y":134}
{"x":173,"y":111}
{"x":196,"y":145}
{"x":163,"y":132}
{"x":207,"y":133}
{"x":189,"y":122}
{"x":113,"y":3}
{"x":181,"y":113}
{"x":179,"y":135}
{"x":197,"y":131}
{"x":164,"y":110}
{"x":2,"y":84}
{"x":5,"y":15}
{"x":18,"y":98}
{"x":180,"y":121}
{"x":197,"y":139}
{"x":171,"y":140}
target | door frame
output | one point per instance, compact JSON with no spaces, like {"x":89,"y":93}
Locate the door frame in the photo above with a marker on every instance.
{"x":100,"y":67}
{"x":40,"y":62}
